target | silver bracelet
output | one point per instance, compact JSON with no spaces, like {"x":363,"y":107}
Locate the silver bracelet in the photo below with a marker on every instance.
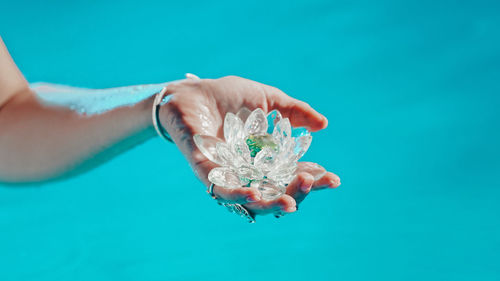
{"x":160,"y":100}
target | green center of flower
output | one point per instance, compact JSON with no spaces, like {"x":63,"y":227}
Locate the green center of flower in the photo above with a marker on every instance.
{"x":257,"y":143}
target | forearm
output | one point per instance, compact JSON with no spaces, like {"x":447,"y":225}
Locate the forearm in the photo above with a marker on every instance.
{"x":40,"y":142}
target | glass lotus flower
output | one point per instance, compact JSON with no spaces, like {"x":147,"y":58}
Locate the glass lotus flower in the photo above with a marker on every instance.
{"x":259,"y":151}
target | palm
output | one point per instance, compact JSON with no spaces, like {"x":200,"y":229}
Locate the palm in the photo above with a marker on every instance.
{"x":199,"y":107}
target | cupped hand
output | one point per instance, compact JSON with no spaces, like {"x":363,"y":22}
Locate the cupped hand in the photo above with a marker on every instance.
{"x":198,"y":106}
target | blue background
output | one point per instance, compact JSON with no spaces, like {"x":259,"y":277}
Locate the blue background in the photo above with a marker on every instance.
{"x":412,"y":94}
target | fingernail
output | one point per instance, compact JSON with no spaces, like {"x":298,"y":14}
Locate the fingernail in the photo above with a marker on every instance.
{"x":305,"y":187}
{"x":291,"y":209}
{"x":334,"y":183}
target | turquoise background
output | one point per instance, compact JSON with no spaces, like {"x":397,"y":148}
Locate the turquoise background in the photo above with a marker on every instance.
{"x":412,"y":95}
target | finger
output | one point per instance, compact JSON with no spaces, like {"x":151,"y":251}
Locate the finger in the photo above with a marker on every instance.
{"x":300,"y":113}
{"x":329,"y":180}
{"x":300,"y":186}
{"x":285,"y":203}
{"x":316,"y":170}
{"x":240,"y":195}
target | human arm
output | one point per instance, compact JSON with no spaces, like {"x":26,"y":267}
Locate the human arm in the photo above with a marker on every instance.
{"x":40,"y":142}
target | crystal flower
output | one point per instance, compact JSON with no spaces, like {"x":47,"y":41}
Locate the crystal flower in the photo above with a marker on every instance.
{"x":259,"y":151}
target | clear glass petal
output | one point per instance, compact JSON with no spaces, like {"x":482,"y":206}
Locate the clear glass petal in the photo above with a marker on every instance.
{"x":300,"y":131}
{"x":273,"y":118}
{"x":282,"y":130}
{"x":283,"y":174}
{"x":302,"y":145}
{"x":283,"y":169}
{"x":225,"y":154}
{"x":225,"y":177}
{"x":241,"y":150}
{"x":256,"y":123}
{"x":283,"y":180}
{"x":264,"y":159}
{"x":233,"y":128}
{"x":269,"y":190}
{"x":207,"y":146}
{"x":243,"y":114}
{"x":286,"y":150}
{"x":312,"y":168}
{"x":249,"y":173}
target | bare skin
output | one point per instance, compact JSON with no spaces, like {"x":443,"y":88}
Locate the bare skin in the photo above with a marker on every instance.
{"x":40,"y":143}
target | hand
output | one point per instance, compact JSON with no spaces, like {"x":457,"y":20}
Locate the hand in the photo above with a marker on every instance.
{"x":199,"y":107}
